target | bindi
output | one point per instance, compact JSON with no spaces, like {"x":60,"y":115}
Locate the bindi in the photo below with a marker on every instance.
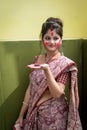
{"x":51,"y":31}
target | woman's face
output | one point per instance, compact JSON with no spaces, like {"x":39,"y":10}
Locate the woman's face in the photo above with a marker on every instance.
{"x":51,"y":40}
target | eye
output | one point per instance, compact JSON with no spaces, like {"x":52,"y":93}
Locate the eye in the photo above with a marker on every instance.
{"x":55,"y":38}
{"x":47,"y":38}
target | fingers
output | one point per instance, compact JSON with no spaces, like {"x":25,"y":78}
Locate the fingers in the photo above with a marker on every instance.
{"x":20,"y":122}
{"x":17,"y":127}
{"x":44,"y":66}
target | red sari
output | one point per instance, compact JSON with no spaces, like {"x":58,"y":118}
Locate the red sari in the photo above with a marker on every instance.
{"x":55,"y":113}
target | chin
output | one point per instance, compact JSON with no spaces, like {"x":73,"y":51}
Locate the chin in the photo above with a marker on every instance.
{"x":51,"y":49}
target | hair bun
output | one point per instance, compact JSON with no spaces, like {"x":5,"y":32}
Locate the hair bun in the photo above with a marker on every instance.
{"x":55,"y":20}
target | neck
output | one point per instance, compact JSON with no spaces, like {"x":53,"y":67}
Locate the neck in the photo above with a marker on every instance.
{"x":52,"y":55}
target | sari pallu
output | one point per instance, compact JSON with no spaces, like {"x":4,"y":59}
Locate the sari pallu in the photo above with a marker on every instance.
{"x":38,"y":85}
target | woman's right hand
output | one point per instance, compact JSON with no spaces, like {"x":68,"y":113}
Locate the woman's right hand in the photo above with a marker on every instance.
{"x":19,"y":121}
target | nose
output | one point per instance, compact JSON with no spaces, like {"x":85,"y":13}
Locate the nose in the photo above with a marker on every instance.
{"x":52,"y":41}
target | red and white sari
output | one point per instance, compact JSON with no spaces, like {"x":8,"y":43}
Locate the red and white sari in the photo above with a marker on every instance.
{"x":55,"y":113}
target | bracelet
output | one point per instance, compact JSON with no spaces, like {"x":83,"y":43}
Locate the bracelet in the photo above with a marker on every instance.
{"x":25,"y":103}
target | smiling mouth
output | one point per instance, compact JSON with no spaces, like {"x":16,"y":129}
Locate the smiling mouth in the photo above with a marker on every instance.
{"x":51,"y":46}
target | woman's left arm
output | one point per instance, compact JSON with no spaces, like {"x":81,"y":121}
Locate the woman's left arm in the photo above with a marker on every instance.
{"x":56,"y":88}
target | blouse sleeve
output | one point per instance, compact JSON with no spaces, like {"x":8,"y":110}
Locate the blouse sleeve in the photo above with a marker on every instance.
{"x":63,"y":78}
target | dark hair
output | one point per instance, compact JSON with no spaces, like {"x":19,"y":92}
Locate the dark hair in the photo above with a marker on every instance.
{"x":54,"y":23}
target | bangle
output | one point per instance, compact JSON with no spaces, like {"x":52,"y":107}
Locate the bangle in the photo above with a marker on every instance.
{"x":25,"y":103}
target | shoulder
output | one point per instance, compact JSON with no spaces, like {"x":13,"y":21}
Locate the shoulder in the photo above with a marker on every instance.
{"x":72,"y":65}
{"x":67,"y":60}
{"x":39,"y":58}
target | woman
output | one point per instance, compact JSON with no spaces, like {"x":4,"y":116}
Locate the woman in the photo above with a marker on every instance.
{"x":45,"y":100}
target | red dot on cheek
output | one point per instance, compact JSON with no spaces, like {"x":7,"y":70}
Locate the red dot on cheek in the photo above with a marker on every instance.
{"x":58,"y":44}
{"x":45,"y":43}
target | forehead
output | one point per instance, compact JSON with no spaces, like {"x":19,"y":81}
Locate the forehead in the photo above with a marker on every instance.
{"x":51,"y":33}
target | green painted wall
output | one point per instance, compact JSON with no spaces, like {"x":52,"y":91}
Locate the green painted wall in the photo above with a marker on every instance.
{"x":84,"y":85}
{"x":14,"y":56}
